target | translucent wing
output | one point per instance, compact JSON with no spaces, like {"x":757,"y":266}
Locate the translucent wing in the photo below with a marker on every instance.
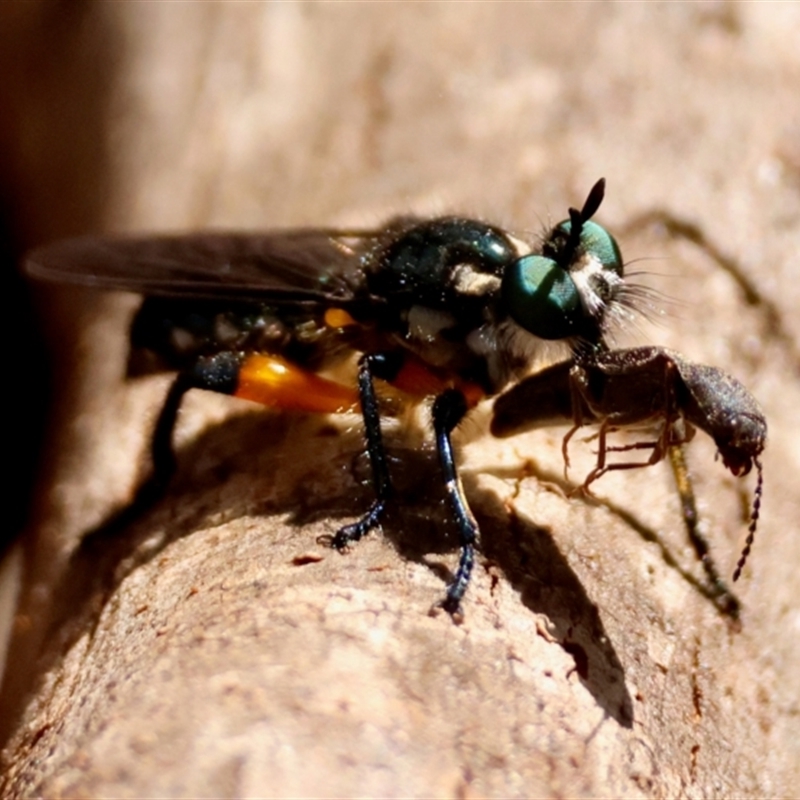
{"x":308,"y":265}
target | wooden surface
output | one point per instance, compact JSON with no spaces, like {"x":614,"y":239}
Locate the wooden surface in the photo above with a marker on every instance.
{"x":215,"y":649}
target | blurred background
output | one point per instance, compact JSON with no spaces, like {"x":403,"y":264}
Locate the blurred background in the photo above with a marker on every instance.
{"x":175,"y":116}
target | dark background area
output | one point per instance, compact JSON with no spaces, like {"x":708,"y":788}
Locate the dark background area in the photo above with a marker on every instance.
{"x":57,"y":76}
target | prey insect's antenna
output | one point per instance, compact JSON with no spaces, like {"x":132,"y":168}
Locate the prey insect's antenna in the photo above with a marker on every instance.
{"x":751,"y":531}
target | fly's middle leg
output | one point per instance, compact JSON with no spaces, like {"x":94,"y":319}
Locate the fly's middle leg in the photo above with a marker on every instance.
{"x":371,"y":366}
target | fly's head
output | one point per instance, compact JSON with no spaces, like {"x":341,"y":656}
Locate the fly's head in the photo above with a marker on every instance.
{"x":568,"y":290}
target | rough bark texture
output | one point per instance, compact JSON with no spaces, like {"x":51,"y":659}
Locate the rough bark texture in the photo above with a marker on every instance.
{"x":213,"y":648}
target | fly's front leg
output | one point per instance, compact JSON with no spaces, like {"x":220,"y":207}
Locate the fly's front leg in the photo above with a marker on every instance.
{"x":448,"y":410}
{"x":371,"y":366}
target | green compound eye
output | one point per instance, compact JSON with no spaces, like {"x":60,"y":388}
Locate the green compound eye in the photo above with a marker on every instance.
{"x":542,"y":298}
{"x":565,"y":290}
{"x":595,"y":241}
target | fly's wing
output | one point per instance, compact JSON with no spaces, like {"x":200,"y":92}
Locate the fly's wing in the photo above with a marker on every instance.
{"x":301,"y":266}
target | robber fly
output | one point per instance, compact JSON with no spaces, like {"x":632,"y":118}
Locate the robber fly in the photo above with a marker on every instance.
{"x":448,"y":308}
{"x":650,"y":386}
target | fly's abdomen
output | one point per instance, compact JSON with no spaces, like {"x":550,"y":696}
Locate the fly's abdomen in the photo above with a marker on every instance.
{"x":179,"y":331}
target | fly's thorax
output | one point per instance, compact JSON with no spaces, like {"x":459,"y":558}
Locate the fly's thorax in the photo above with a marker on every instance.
{"x":439,"y":284}
{"x":450,"y":264}
{"x":469,"y":281}
{"x":468,"y":297}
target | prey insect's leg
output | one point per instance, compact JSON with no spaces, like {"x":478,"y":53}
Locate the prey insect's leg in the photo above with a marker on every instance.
{"x":600,"y":468}
{"x":383,"y":367}
{"x":565,"y":448}
{"x":724,"y":598}
{"x":577,"y":389}
{"x":448,"y":410}
{"x":667,"y":439}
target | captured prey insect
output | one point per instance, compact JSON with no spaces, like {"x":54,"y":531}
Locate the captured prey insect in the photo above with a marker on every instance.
{"x":447,"y":308}
{"x":652,"y":386}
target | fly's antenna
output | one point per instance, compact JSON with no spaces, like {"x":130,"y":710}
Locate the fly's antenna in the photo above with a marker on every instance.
{"x":577,"y":218}
{"x":751,"y":533}
{"x":593,"y":201}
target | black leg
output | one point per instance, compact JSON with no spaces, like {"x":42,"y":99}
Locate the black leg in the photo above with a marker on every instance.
{"x":152,"y":489}
{"x":161,"y":448}
{"x":218,"y":373}
{"x":371,"y":365}
{"x":448,"y":410}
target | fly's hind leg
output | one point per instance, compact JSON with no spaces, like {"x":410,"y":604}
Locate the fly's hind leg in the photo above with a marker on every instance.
{"x":164,"y":463}
{"x":162,"y":452}
{"x":219,"y":373}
